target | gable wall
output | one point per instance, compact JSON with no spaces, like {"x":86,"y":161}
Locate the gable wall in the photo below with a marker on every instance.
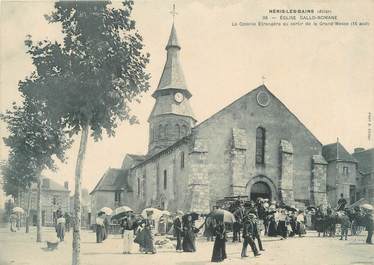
{"x":279,"y":124}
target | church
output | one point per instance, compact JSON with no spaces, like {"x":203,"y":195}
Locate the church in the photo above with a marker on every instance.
{"x":253,"y":147}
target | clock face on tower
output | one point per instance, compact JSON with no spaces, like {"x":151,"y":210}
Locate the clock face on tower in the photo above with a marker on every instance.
{"x":178,"y":97}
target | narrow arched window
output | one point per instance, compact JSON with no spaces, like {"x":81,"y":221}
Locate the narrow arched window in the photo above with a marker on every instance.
{"x":182,"y":160}
{"x":178,"y":131}
{"x":165,"y":179}
{"x":184,"y":130}
{"x":260,"y":145}
{"x":161,"y":131}
{"x":166,"y":131}
{"x":139,"y":188}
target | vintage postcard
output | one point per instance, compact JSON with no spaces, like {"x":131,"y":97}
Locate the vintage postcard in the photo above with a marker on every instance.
{"x":187,"y":132}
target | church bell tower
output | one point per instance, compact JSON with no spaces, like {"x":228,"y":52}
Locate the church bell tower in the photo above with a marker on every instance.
{"x":171,"y":118}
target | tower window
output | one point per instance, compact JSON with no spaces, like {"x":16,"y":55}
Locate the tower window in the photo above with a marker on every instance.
{"x":184,"y":130}
{"x":182,"y":160}
{"x":260,"y":145}
{"x":178,"y":131}
{"x":161,"y":131}
{"x":166,"y":131}
{"x":165,"y":179}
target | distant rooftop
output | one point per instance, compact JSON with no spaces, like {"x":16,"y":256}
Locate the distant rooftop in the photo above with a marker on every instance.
{"x":337,"y":152}
{"x":365,"y":160}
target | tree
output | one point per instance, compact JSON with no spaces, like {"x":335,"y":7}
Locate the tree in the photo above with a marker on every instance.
{"x":90,"y":79}
{"x":34,"y":142}
{"x":17,"y":179}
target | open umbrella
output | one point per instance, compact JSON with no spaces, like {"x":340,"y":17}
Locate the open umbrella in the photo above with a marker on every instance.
{"x":156,"y":213}
{"x":106,"y":210}
{"x":121,"y":212}
{"x":367,"y":206}
{"x":223,"y":215}
{"x":194,"y":216}
{"x":18,"y":210}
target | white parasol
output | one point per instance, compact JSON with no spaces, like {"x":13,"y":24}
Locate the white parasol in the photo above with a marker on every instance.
{"x":18,"y":210}
{"x":106,"y":210}
{"x":367,"y":206}
{"x":156,"y":213}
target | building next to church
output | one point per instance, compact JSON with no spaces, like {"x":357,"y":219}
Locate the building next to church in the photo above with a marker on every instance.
{"x":255,"y":146}
{"x":54,"y":197}
{"x":365,"y":160}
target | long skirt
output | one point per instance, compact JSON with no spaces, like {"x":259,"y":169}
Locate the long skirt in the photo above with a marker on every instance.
{"x":105,"y":233}
{"x":128,"y":239}
{"x":60,"y":230}
{"x":272,"y":230}
{"x":188,"y":243}
{"x":320,"y":225}
{"x":148,"y":241}
{"x":282,"y":229}
{"x":219,"y":250}
{"x":99,"y":233}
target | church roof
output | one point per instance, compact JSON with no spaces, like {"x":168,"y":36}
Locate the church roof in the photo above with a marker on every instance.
{"x":172,"y":76}
{"x":137,"y":158}
{"x":113,"y":179}
{"x":365,"y":160}
{"x":337,"y":152}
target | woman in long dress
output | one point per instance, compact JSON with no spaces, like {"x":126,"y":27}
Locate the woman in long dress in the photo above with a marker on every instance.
{"x":178,"y":232}
{"x":188,"y":244}
{"x":282,"y":224}
{"x":99,"y":228}
{"x":60,"y":227}
{"x":148,"y":235}
{"x":219,"y":248}
{"x":272,"y":230}
{"x":319,"y":219}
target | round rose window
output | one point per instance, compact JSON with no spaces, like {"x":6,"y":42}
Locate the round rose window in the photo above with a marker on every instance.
{"x":263,"y":98}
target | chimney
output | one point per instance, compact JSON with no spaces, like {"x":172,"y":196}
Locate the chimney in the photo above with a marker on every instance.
{"x":66,"y":185}
{"x":358,"y":149}
{"x":45,"y":183}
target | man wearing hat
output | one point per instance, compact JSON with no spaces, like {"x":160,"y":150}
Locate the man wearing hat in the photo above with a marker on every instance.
{"x":178,"y":230}
{"x":369,"y":222}
{"x":248,"y":234}
{"x":256,"y":232}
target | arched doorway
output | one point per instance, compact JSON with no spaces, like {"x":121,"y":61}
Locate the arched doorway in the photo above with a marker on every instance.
{"x":260,"y":190}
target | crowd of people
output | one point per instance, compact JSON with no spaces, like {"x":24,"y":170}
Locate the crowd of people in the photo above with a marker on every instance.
{"x":251,"y":219}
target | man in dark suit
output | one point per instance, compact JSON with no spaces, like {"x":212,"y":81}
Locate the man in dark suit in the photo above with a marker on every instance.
{"x":256,"y":232}
{"x":369,"y":222}
{"x":238,"y":213}
{"x":248,"y":234}
{"x":178,"y":230}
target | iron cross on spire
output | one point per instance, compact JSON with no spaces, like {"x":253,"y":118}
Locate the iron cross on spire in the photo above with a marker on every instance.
{"x":173,"y":12}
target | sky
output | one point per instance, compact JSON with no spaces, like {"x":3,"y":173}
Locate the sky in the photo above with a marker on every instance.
{"x":323,"y":74}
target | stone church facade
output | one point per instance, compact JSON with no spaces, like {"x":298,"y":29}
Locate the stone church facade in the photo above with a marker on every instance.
{"x":254,"y":147}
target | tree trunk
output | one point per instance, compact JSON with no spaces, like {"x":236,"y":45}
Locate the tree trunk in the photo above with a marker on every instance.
{"x":39,"y":211}
{"x":77,"y":196}
{"x":28,"y":211}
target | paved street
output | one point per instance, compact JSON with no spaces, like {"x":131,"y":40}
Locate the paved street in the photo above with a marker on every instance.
{"x":21,"y":249}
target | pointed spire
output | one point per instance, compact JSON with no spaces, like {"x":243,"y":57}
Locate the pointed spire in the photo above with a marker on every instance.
{"x":173,"y":40}
{"x":172,"y":76}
